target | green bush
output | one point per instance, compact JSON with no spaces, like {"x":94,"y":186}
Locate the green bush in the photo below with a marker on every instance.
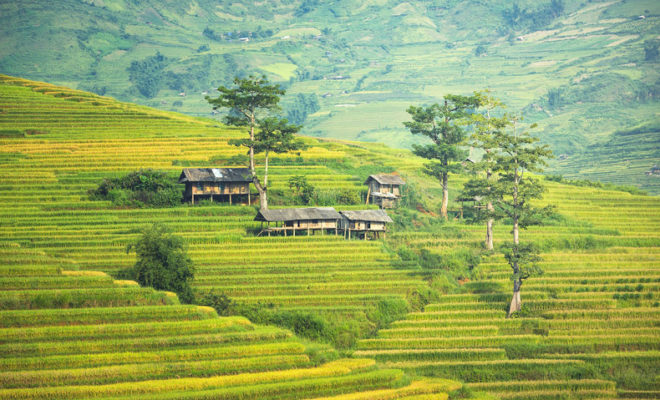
{"x":303,"y":324}
{"x":388,"y":311}
{"x":139,"y":189}
{"x":219,"y":301}
{"x":162,"y":262}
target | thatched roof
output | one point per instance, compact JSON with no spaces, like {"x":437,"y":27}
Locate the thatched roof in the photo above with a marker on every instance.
{"x":367,"y":215}
{"x":386,"y":179}
{"x":298,"y":214}
{"x":215,"y":175}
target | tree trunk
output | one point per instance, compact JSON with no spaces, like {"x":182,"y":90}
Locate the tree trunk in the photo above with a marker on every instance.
{"x":516,"y":303}
{"x":263,"y":190}
{"x":489,"y":231}
{"x":266,"y":171}
{"x":445,"y":196}
{"x":263,"y":197}
{"x":489,"y":223}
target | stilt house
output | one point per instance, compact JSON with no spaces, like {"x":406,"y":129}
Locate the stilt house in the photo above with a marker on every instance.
{"x":364,"y":222}
{"x":230,"y":185}
{"x":291,"y":220}
{"x":384,"y":190}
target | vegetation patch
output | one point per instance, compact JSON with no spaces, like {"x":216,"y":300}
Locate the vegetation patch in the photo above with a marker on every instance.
{"x":143,"y":188}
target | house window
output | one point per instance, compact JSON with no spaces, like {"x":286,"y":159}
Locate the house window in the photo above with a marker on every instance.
{"x":200,"y":187}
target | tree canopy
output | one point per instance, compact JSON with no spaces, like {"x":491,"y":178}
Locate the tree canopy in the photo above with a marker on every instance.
{"x":249,"y":104}
{"x":162,"y":262}
{"x":444,"y":124}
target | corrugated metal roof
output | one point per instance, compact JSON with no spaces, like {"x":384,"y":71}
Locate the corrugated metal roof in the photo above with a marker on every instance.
{"x":386,"y":179}
{"x":367,"y":215}
{"x":297,"y":214}
{"x":385,"y":195}
{"x":215,"y":175}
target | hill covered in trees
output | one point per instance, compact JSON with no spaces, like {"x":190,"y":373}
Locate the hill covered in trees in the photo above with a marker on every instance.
{"x":584,"y":71}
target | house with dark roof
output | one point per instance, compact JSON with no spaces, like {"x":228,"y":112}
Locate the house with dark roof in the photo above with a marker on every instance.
{"x":384,"y":189}
{"x":364,"y":222}
{"x":230,"y":185}
{"x":292,"y":220}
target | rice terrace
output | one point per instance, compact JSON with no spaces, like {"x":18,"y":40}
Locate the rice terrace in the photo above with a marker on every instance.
{"x":351,"y":199}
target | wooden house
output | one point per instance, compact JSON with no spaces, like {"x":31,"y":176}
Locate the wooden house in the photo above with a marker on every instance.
{"x":364,"y":222}
{"x":230,"y":185}
{"x":298,"y":219}
{"x":384,"y":190}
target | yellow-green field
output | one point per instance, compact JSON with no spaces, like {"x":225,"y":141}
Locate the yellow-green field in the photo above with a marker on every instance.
{"x":70,"y":331}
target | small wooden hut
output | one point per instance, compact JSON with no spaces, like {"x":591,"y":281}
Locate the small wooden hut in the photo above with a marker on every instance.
{"x":364,"y":222}
{"x":291,"y":220}
{"x":230,"y":185}
{"x":384,"y":190}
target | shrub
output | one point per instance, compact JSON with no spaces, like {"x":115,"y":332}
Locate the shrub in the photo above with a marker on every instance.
{"x":302,"y":188}
{"x":388,"y":311}
{"x":304,"y":324}
{"x":219,"y":301}
{"x":140,"y":188}
{"x":162,"y":262}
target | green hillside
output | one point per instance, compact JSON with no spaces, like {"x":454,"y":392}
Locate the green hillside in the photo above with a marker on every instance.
{"x":591,"y":321}
{"x":583,"y":71}
{"x":68,"y":330}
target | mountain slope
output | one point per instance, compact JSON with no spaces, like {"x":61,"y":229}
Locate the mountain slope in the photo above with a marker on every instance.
{"x":68,"y":330}
{"x":582,"y":71}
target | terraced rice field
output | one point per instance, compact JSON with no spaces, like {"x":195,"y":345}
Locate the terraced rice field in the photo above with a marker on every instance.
{"x":592,"y":322}
{"x":68,"y":330}
{"x":591,"y":330}
{"x":70,"y":159}
{"x":110,"y":339}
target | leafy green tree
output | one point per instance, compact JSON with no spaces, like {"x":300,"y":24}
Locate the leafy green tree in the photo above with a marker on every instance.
{"x":297,"y":183}
{"x":273,"y":135}
{"x":486,"y":124}
{"x":517,"y":155}
{"x":162,"y":262}
{"x":444,"y":125}
{"x":302,"y":188}
{"x":251,"y":99}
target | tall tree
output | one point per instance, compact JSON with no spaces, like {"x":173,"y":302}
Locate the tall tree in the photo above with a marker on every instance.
{"x":444,"y":125}
{"x":518,"y":155}
{"x":252,"y":98}
{"x":486,"y":124}
{"x":273,"y":135}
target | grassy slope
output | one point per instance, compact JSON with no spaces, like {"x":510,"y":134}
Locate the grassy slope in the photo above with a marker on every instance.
{"x":74,"y":139}
{"x":69,"y":332}
{"x":392,"y":54}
